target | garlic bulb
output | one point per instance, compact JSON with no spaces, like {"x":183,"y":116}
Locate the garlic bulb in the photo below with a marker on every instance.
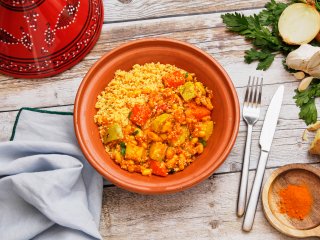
{"x":305,"y":58}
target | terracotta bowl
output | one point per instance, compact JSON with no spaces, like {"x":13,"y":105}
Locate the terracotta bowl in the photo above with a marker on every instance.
{"x":185,"y":56}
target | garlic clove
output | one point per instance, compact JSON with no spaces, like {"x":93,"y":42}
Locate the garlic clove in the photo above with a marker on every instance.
{"x":299,"y":75}
{"x":313,"y":67}
{"x":305,"y":135}
{"x":304,"y":84}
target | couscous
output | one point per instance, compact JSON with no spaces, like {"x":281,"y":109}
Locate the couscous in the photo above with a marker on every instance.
{"x":154,"y":119}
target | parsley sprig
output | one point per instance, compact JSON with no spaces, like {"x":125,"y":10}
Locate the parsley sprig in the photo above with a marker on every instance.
{"x":306,"y":101}
{"x":262,"y":30}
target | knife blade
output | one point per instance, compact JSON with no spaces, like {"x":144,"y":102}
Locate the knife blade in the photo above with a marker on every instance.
{"x":271,"y":119}
{"x":266,"y":137}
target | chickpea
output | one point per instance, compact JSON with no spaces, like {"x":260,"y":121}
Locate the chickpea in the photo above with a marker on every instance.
{"x":172,"y":162}
{"x":124,"y":166}
{"x":207,"y":102}
{"x":201,"y":133}
{"x":199,"y":148}
{"x":130,"y":162}
{"x":206,"y":118}
{"x":164,"y":136}
{"x":189,"y":78}
{"x":194,"y":140}
{"x":154,"y":137}
{"x":182,"y":161}
{"x":170,"y":153}
{"x":146,"y":172}
{"x":117,"y":157}
{"x":131,"y":168}
{"x":127,"y":130}
{"x":134,"y":142}
{"x":175,"y":106}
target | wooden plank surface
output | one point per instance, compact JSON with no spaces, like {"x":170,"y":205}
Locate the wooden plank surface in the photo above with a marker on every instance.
{"x":133,"y":10}
{"x":206,"y":211}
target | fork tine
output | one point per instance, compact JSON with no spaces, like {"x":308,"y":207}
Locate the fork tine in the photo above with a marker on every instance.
{"x":251,"y":91}
{"x":260,"y":92}
{"x":247,"y":92}
{"x":256,"y":89}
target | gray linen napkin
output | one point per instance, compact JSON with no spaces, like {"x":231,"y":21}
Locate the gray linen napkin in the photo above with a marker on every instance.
{"x":47,"y":188}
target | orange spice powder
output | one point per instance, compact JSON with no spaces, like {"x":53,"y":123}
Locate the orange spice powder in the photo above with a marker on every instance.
{"x":295,"y":201}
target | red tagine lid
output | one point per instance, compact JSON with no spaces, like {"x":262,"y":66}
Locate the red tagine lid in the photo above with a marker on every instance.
{"x":41,"y":38}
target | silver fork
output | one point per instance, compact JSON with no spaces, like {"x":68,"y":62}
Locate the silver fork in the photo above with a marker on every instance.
{"x":250,"y":113}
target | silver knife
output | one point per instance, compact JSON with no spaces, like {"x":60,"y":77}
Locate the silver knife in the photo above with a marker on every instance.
{"x":266,"y":137}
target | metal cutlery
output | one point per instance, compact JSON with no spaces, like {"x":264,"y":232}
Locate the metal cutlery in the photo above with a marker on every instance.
{"x":266,"y":137}
{"x":250,"y":113}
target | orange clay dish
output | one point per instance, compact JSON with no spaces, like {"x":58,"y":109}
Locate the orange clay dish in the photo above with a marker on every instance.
{"x":154,"y":119}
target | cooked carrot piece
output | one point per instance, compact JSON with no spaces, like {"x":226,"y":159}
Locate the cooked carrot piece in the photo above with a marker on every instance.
{"x":198,"y":111}
{"x":140,"y":114}
{"x":157,"y":169}
{"x":174,"y":80}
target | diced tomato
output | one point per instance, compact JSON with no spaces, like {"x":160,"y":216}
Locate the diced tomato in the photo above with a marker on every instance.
{"x":161,"y":108}
{"x":175,"y":79}
{"x":157,"y":169}
{"x":140,"y":114}
{"x":198,"y":111}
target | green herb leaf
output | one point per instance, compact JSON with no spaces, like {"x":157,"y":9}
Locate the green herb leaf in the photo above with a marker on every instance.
{"x":186,"y":75}
{"x":135,"y":132}
{"x":203,"y":142}
{"x":262,"y":31}
{"x":123,"y":148}
{"x":254,"y":55}
{"x":308,"y":112}
{"x":129,"y":115}
{"x":266,"y":63}
{"x":306,"y":101}
{"x":317,"y":3}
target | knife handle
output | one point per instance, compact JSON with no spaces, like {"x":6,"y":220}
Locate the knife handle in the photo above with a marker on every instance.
{"x":255,"y":192}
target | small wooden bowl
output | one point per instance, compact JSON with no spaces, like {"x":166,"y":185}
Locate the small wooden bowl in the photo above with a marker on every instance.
{"x":293,"y":174}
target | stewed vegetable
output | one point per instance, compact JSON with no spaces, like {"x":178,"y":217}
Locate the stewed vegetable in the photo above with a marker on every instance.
{"x":166,"y":133}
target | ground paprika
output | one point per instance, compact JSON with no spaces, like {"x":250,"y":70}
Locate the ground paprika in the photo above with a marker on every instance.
{"x":295,"y":201}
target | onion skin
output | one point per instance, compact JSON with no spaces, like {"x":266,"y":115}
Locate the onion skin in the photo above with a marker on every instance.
{"x":318,"y":37}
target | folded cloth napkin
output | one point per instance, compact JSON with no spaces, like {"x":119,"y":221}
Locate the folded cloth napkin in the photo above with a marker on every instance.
{"x":47,"y":188}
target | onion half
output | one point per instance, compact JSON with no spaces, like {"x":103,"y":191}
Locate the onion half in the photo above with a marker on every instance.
{"x":299,"y":23}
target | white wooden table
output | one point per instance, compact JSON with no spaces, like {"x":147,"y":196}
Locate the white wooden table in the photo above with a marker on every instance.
{"x":207,"y":211}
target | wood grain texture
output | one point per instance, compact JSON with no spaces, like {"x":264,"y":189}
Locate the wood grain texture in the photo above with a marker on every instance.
{"x":133,"y":10}
{"x":207,"y":211}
